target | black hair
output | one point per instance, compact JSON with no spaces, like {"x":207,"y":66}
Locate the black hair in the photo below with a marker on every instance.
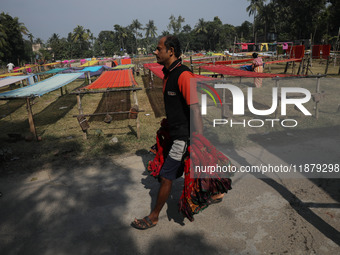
{"x":254,"y":55}
{"x":172,"y":41}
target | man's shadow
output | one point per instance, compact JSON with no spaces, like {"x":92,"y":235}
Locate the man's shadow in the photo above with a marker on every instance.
{"x":151,"y":183}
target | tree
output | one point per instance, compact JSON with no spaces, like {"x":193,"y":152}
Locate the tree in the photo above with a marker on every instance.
{"x":80,"y":38}
{"x":3,"y":39}
{"x":175,"y":24}
{"x":253,"y":7}
{"x":201,"y":27}
{"x":12,"y":42}
{"x":122,"y":34}
{"x":245,"y":31}
{"x":54,"y":43}
{"x":21,"y":26}
{"x":150,"y":32}
{"x":106,"y":44}
{"x":200,"y":32}
{"x":135,"y":26}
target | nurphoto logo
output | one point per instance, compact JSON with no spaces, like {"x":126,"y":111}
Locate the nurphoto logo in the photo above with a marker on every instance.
{"x":239,"y":105}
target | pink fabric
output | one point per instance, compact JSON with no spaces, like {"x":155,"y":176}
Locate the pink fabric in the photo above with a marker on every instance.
{"x":28,"y":69}
{"x":258,"y":62}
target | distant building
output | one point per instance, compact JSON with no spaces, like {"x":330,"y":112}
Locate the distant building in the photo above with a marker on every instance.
{"x":36,"y":47}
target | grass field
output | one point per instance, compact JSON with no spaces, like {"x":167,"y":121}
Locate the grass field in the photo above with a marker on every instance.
{"x":61,"y":135}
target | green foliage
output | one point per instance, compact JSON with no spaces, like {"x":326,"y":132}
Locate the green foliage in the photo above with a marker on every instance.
{"x":12,"y":44}
{"x":289,"y":19}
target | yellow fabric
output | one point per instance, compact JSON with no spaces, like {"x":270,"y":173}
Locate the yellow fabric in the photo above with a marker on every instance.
{"x":10,"y":74}
{"x":90,"y":63}
{"x":219,"y":54}
{"x":264,"y":45}
{"x":24,"y":67}
{"x":52,"y":64}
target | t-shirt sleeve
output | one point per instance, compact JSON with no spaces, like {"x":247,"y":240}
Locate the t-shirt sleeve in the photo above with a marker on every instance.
{"x":188,"y":88}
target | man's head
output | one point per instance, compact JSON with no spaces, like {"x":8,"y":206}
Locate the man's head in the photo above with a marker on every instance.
{"x":168,"y":50}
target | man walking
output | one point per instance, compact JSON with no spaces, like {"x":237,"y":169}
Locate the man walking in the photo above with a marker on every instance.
{"x":179,"y":106}
{"x":10,"y":67}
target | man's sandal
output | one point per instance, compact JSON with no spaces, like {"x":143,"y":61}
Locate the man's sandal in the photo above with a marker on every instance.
{"x":143,"y":223}
{"x":216,"y":201}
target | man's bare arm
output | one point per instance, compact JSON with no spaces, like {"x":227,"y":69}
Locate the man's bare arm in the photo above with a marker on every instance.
{"x":196,"y":118}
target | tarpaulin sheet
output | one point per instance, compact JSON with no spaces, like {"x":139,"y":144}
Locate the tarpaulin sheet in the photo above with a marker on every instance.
{"x":226,"y":70}
{"x":10,"y":80}
{"x":113,"y":79}
{"x":42,"y":87}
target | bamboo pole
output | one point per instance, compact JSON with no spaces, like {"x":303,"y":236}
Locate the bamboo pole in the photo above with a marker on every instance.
{"x":105,"y":113}
{"x":191,"y":65}
{"x":30,"y":119}
{"x":137,"y":118}
{"x":80,"y":109}
{"x":317,"y":102}
{"x":327,"y":63}
{"x":89,"y":77}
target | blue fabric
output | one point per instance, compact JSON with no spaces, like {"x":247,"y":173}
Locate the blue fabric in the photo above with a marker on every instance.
{"x":43,"y":87}
{"x":52,"y":71}
{"x":246,"y":68}
{"x":13,"y":79}
{"x":91,"y":69}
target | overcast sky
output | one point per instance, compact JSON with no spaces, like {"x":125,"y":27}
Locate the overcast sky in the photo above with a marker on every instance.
{"x":45,"y":17}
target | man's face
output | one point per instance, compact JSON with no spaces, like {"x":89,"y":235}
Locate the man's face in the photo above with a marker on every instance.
{"x":162,"y":54}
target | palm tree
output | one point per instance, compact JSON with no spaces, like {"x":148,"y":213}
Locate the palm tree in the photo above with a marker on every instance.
{"x":150,"y":30}
{"x":253,"y":8}
{"x":121,"y":34}
{"x":81,"y":36}
{"x":30,"y":37}
{"x":201,"y":27}
{"x":21,"y":26}
{"x":38,"y":40}
{"x":3,"y":37}
{"x":267,"y":16}
{"x":176,"y":24}
{"x":135,"y":26}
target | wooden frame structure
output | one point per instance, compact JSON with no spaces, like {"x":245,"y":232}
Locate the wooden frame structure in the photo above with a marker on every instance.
{"x":81,"y":117}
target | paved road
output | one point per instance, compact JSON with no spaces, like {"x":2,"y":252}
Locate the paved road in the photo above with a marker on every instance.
{"x":86,"y":208}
